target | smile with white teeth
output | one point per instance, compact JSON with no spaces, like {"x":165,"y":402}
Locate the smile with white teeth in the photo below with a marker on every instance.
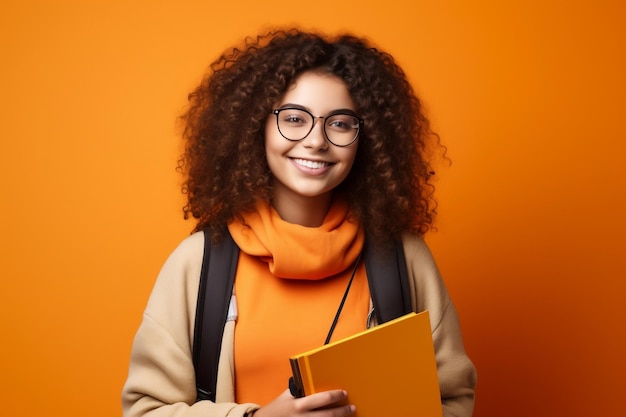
{"x":311,"y":164}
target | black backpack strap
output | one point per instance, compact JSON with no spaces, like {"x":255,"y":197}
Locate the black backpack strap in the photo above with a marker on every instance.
{"x":388,"y":280}
{"x":217,"y":277}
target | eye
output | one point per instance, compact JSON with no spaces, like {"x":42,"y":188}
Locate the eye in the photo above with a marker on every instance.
{"x":294,"y":118}
{"x":342,"y":122}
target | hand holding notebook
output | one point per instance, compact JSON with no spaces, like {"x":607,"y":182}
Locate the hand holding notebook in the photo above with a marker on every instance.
{"x":389,"y":369}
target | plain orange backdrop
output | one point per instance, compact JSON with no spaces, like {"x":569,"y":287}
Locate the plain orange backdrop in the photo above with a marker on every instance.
{"x":528,"y":96}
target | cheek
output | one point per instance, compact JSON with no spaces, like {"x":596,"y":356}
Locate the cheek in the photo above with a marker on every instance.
{"x":273,"y":144}
{"x":347,"y":164}
{"x":275,"y":148}
{"x":352,"y":155}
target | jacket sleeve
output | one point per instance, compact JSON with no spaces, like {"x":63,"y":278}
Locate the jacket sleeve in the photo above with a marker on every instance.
{"x":457,"y":374}
{"x":161,"y":378}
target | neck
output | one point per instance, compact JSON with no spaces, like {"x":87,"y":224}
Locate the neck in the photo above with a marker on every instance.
{"x":305,"y":211}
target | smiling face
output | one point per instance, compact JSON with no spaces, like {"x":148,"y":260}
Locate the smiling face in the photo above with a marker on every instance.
{"x":305,"y":172}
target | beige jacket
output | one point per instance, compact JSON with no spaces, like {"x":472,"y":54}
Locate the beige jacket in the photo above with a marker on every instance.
{"x":161,"y":378}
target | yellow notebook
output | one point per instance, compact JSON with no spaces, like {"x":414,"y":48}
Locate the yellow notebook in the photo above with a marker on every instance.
{"x":387,"y":370}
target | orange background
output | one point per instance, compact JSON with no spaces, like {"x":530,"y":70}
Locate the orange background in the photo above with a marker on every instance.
{"x":529,"y":97}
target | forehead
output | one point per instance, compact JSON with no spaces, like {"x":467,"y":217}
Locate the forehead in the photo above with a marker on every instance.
{"x":318,"y":92}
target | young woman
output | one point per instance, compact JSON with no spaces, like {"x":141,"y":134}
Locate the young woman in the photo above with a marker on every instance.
{"x":299,"y":146}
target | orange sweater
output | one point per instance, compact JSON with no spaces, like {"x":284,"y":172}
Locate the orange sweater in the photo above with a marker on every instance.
{"x":289,"y":283}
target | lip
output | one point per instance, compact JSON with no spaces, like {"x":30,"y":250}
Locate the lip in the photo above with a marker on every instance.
{"x":311,"y":166}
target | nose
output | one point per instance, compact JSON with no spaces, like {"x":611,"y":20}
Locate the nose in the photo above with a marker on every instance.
{"x":316,"y":138}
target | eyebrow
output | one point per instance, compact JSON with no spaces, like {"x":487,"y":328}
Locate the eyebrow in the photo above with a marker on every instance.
{"x":301,"y":107}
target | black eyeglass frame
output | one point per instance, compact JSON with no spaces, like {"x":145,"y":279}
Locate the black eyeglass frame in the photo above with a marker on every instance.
{"x":276,"y":112}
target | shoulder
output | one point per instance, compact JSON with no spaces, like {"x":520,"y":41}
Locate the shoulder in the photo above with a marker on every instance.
{"x":184,"y":261}
{"x":188,"y":249}
{"x":427,"y":286}
{"x":417,"y":251}
{"x":175,"y":291}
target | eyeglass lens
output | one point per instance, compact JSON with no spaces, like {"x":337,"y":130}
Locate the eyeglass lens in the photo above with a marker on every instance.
{"x":296,"y":124}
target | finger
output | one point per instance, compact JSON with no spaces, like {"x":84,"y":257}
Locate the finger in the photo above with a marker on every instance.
{"x":320,"y":400}
{"x":342,"y":411}
{"x":286,"y":394}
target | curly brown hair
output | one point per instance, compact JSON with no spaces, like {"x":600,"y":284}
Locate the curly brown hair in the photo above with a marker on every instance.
{"x":389,"y":188}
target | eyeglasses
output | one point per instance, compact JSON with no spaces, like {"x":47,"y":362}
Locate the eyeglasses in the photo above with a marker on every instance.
{"x":341,"y":127}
